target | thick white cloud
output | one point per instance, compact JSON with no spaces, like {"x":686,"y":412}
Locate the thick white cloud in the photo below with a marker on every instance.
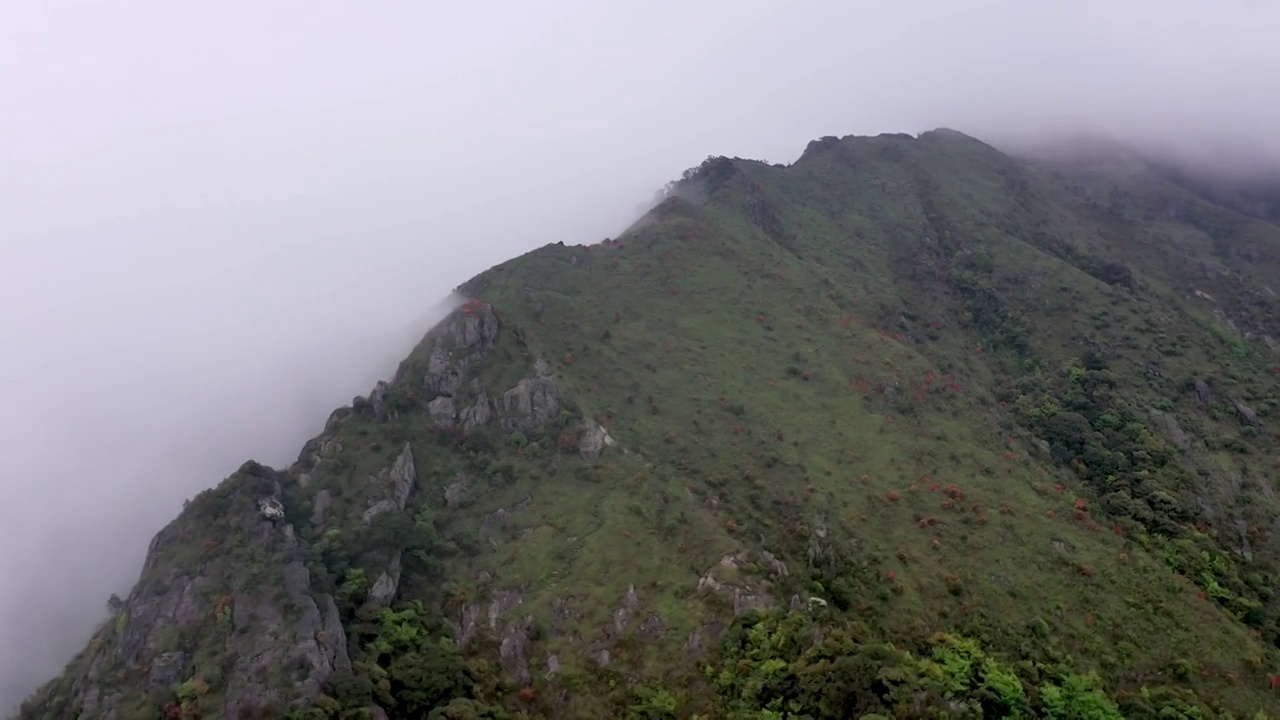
{"x":220,"y":220}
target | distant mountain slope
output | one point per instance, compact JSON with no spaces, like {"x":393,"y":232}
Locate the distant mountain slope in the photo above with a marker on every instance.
{"x":907,"y":428}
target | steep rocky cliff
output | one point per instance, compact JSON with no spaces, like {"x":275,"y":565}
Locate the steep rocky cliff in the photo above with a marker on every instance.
{"x":908,"y":427}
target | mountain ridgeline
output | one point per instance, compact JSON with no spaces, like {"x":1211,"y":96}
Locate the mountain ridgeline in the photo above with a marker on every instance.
{"x":907,"y":428}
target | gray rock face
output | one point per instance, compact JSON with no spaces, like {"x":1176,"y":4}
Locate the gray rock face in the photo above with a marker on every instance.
{"x":1246,"y":413}
{"x":466,"y":336}
{"x":458,"y":343}
{"x":477,"y":415}
{"x":593,"y":442}
{"x":1203,"y":393}
{"x":626,"y":610}
{"x":333,"y":639}
{"x":167,"y":670}
{"x":278,"y":638}
{"x":467,"y":625}
{"x":513,"y":654}
{"x":335,"y":419}
{"x":278,"y":641}
{"x":378,"y":400}
{"x":455,"y":492}
{"x":320,"y":507}
{"x":652,"y":628}
{"x":512,"y":634}
{"x":309,"y":647}
{"x":384,"y":588}
{"x":744,"y":598}
{"x":444,"y":376}
{"x":442,"y":411}
{"x":501,"y":603}
{"x":773,"y":563}
{"x":476,"y":327}
{"x":315,"y":452}
{"x":391,"y":487}
{"x":1172,"y":430}
{"x":532,"y":404}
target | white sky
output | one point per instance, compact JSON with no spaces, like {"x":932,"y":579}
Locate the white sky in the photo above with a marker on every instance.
{"x":220,"y":220}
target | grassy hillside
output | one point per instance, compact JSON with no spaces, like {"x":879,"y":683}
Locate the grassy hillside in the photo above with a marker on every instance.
{"x":908,"y":428}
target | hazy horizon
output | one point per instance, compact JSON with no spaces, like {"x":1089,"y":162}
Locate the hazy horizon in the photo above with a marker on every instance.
{"x":223,"y":221}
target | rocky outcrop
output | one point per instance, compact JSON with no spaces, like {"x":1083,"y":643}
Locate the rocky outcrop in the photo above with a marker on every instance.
{"x":593,"y":441}
{"x":513,"y":651}
{"x":390,"y":488}
{"x":317,"y":452}
{"x":455,"y":398}
{"x":378,"y":401}
{"x":532,"y":404}
{"x":377,"y":404}
{"x":456,"y":492}
{"x":774,"y":565}
{"x":442,"y":412}
{"x":320,"y":507}
{"x":456,"y":345}
{"x":1203,"y":393}
{"x":284,"y":659}
{"x":626,"y":610}
{"x":742,"y":597}
{"x":384,"y":588}
{"x":1247,"y":414}
{"x":242,"y":596}
{"x":512,"y":634}
{"x":493,"y":523}
{"x":1172,"y":430}
{"x":477,"y":414}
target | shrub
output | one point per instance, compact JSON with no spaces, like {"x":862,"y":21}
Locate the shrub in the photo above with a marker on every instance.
{"x":568,"y":442}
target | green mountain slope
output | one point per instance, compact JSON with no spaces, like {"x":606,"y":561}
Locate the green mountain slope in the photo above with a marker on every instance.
{"x":907,"y":428}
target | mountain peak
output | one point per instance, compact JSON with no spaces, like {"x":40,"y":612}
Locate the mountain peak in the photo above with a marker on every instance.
{"x":907,"y":427}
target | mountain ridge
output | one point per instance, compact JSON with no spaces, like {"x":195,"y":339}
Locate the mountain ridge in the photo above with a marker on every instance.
{"x":908,"y":426}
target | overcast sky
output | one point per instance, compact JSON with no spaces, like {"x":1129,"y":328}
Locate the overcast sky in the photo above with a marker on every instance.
{"x":220,"y":220}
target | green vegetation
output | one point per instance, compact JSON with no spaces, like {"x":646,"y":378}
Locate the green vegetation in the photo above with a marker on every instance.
{"x":773,"y":668}
{"x":907,"y":428}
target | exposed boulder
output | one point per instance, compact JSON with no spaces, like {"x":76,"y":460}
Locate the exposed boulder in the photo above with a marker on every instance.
{"x":532,"y":404}
{"x":378,"y":401}
{"x":626,"y":610}
{"x":456,"y":491}
{"x":1246,"y":413}
{"x":385,"y":587}
{"x":593,"y":441}
{"x":271,"y":509}
{"x":1203,"y":393}
{"x":442,"y":411}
